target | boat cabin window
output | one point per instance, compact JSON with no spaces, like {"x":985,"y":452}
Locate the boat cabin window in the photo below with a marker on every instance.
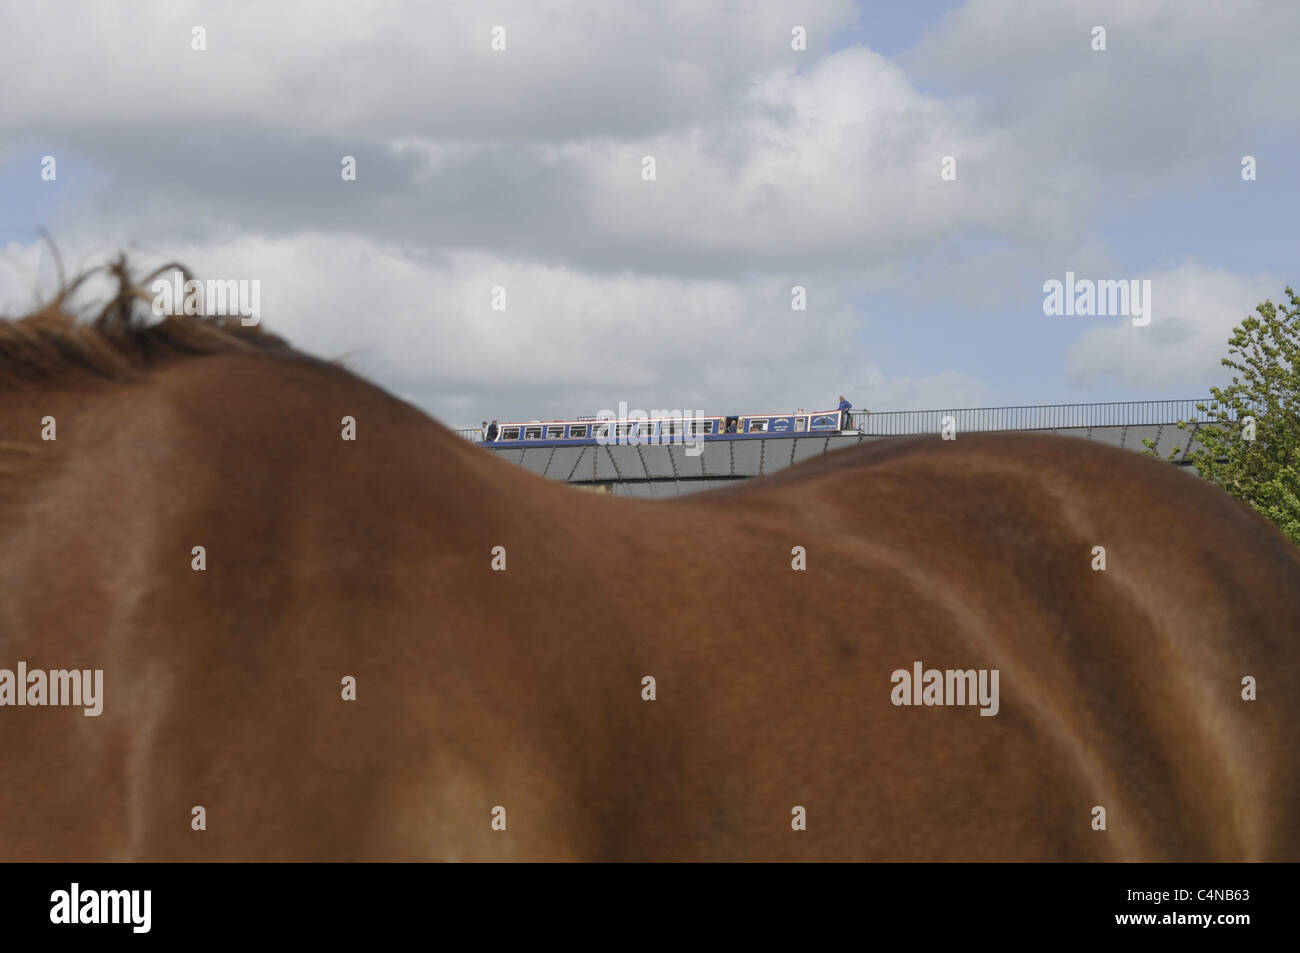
{"x":576,"y":432}
{"x":532,"y":433}
{"x":824,"y":422}
{"x":509,"y":433}
{"x":701,"y":427}
{"x":554,"y":433}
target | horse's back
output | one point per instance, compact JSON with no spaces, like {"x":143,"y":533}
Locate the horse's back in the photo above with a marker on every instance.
{"x":623,"y":679}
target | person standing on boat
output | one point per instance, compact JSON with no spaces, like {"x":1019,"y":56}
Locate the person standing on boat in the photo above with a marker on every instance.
{"x":845,"y":407}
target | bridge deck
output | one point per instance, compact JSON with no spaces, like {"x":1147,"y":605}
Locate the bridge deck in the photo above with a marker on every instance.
{"x":649,"y":470}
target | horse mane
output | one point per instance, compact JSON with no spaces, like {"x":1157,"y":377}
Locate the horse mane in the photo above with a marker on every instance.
{"x":118,"y":344}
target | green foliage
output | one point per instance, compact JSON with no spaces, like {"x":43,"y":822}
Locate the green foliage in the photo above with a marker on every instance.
{"x":1263,"y":403}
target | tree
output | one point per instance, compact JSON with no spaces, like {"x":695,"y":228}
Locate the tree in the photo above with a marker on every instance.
{"x":1249,"y":443}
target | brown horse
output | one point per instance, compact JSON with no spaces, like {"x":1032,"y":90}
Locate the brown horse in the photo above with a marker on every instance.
{"x":504,"y":707}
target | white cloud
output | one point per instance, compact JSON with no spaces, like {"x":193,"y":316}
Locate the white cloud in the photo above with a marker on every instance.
{"x":369,"y":68}
{"x":1180,"y":91}
{"x":523,"y":169}
{"x":833,"y":166}
{"x":1195,"y":310}
{"x":566,"y":344}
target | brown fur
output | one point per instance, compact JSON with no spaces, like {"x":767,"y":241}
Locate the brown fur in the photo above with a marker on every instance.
{"x":523,"y":688}
{"x":50,"y":344}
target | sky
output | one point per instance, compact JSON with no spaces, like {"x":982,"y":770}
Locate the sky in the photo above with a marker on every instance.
{"x":775,"y":168}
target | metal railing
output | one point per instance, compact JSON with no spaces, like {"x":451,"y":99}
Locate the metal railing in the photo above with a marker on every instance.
{"x":903,"y":423}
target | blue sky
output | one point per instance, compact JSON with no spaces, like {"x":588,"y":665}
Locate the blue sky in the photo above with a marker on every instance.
{"x":521,"y":169}
{"x":27,"y":206}
{"x":890,"y":28}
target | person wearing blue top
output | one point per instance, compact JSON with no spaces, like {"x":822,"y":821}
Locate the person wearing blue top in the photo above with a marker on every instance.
{"x":845,"y":407}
